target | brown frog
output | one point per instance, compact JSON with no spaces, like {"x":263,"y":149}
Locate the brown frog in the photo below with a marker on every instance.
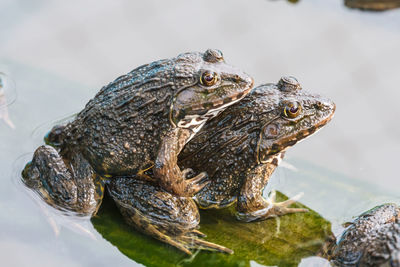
{"x":372,"y":239}
{"x":241,"y":148}
{"x":270,"y":119}
{"x":140,"y":121}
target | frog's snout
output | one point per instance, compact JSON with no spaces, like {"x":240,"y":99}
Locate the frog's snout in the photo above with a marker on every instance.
{"x":245,"y":82}
{"x":248,"y":80}
{"x":325,"y":105}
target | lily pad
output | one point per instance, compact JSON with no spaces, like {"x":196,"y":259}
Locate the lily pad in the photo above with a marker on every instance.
{"x":282,"y":241}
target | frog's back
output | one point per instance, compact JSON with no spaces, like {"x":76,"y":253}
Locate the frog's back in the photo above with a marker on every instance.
{"x":254,"y":132}
{"x":121,"y":129}
{"x":224,"y":149}
{"x":124,"y":118}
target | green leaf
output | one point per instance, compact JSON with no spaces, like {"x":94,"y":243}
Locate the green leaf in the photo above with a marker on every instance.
{"x":281,"y":242}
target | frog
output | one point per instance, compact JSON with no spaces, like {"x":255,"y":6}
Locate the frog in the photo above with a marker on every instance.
{"x":140,"y":121}
{"x":174,"y":219}
{"x":241,"y":148}
{"x":372,"y":239}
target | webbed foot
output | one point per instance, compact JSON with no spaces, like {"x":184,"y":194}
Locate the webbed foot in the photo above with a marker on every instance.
{"x":164,"y":216}
{"x":188,"y":241}
{"x":271,"y":209}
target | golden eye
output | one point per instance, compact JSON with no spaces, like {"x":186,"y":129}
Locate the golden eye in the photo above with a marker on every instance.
{"x":208,"y":78}
{"x":292,"y":110}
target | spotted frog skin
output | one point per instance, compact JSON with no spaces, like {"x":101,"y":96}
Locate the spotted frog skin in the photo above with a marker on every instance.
{"x":139,"y":121}
{"x":241,"y":147}
{"x":160,"y":214}
{"x":372,"y":239}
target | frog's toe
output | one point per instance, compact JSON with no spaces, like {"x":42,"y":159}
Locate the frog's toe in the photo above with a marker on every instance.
{"x":197,"y":233}
{"x":187,"y":241}
{"x":197,"y":243}
{"x":282,"y":208}
{"x":271,"y":209}
{"x":179,"y":245}
{"x":197,"y":183}
{"x":188,"y":173}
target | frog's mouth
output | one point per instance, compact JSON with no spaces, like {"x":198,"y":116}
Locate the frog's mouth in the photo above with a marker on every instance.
{"x":196,"y":115}
{"x":284,"y":143}
{"x":204,"y":108}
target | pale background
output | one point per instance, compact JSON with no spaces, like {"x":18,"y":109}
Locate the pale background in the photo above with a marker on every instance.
{"x":60,"y":53}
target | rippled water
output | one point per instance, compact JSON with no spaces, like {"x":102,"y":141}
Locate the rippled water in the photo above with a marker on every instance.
{"x":57,"y":56}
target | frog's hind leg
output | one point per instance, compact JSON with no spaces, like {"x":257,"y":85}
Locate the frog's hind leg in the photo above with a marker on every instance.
{"x":71,"y":185}
{"x":155,"y":212}
{"x":252,"y":206}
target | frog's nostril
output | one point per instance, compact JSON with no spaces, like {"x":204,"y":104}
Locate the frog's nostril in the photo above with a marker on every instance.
{"x":325,"y":105}
{"x":318,"y":105}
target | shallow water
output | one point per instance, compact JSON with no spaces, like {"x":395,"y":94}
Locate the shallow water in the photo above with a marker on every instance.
{"x":59,"y":56}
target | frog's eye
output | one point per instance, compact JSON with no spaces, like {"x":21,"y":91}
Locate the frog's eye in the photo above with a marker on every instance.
{"x":292,"y":110}
{"x":208,"y":78}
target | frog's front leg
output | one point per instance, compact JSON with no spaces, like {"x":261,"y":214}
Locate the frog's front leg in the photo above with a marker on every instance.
{"x":252,"y":205}
{"x":167,"y":171}
{"x":164,"y":216}
{"x":72,"y":185}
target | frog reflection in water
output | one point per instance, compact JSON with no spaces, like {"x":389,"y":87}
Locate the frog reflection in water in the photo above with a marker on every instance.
{"x":239,"y":149}
{"x":141,"y":120}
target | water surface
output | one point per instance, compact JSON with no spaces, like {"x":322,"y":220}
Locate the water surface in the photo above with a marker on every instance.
{"x":60,"y":55}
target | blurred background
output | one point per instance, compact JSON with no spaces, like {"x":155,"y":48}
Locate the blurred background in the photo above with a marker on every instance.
{"x":58,"y":54}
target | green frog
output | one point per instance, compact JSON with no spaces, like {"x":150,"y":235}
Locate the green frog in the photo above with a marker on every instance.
{"x":239,"y":149}
{"x":140,"y":121}
{"x":372,"y":239}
